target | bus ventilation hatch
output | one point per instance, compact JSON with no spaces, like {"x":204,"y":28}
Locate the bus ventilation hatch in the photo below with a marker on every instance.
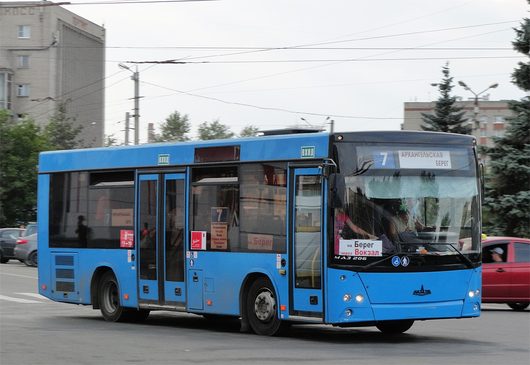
{"x":64,"y":276}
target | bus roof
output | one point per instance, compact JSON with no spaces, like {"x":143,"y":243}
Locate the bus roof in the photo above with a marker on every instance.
{"x":264,"y":148}
{"x":269,"y":148}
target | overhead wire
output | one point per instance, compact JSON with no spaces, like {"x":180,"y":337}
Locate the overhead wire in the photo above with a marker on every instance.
{"x":268,"y":108}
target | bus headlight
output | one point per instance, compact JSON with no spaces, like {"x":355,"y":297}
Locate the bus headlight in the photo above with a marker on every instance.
{"x":359,"y":298}
{"x":346,"y":297}
{"x":348,"y":312}
{"x":473,"y":293}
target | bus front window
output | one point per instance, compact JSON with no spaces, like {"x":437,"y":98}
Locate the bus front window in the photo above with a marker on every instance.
{"x":378,"y":216}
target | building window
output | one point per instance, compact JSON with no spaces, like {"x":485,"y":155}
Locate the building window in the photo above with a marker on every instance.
{"x":5,"y":90}
{"x":22,"y":90}
{"x":23,"y":61}
{"x":24,"y":31}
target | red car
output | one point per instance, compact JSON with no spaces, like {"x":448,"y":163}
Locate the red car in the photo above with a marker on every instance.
{"x":506,"y":271}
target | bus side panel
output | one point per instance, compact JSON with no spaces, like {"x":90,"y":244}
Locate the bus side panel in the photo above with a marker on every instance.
{"x":343,"y":287}
{"x":70,"y":274}
{"x":223,"y":274}
{"x":43,"y":249}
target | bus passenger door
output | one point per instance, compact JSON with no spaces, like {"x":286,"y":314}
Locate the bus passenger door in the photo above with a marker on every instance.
{"x":173,"y":223}
{"x":161,"y":212}
{"x":306,"y":237}
{"x":147,"y":234}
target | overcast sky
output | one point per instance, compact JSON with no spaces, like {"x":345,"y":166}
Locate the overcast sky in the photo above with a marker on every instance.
{"x":373,"y":56}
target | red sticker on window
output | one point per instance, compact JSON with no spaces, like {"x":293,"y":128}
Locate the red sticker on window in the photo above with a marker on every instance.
{"x":126,"y":238}
{"x":198,"y":240}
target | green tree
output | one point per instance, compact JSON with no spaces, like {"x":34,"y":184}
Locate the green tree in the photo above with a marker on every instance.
{"x":447,"y":116}
{"x":61,"y":132}
{"x":174,"y":128}
{"x":508,"y":189}
{"x":249,"y":131}
{"x":21,"y":143}
{"x":214,"y":130}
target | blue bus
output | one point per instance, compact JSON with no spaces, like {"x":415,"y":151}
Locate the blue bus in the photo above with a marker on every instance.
{"x":347,"y":229}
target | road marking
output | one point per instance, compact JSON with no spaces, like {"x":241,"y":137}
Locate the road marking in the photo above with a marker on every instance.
{"x":33,"y":295}
{"x":20,"y":276}
{"x":18,"y":300}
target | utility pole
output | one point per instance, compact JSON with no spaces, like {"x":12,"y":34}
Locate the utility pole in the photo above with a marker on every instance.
{"x":136,"y":78}
{"x":331,"y":124}
{"x":127,"y":127}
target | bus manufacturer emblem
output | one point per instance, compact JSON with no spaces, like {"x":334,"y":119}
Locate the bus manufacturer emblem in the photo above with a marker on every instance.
{"x":422,"y":292}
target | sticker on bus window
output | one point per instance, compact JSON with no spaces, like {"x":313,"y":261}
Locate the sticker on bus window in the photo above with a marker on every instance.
{"x":219,"y":236}
{"x":198,"y":240}
{"x":126,"y":238}
{"x":260,"y":242}
{"x":424,"y":159}
{"x":362,"y":248}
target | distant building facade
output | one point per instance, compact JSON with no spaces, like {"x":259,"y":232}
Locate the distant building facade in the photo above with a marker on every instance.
{"x":49,"y":55}
{"x":492,"y":117}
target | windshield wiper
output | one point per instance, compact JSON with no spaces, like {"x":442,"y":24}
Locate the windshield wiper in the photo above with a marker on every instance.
{"x":468,"y":262}
{"x":363,"y":268}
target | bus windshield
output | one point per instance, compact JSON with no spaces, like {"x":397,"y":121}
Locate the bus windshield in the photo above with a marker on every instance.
{"x":380,"y":213}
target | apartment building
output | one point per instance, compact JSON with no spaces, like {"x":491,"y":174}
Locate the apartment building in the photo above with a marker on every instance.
{"x":490,"y":115}
{"x":49,"y":55}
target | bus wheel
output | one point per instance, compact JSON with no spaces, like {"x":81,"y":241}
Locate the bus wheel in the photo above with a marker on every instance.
{"x":394,"y":327}
{"x":518,"y":306}
{"x":109,"y":298}
{"x":262,"y":308}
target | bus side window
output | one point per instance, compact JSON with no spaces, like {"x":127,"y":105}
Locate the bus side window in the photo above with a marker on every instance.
{"x":263,"y":206}
{"x":215,"y":206}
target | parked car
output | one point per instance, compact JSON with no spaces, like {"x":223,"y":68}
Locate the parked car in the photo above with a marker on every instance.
{"x":26,"y":249}
{"x":506,"y":271}
{"x":30,"y":229}
{"x":8,"y":239}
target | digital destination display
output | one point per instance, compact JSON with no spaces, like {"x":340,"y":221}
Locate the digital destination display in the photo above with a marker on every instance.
{"x":404,"y":157}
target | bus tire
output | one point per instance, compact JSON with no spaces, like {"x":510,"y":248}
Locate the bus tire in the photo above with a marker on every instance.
{"x":394,"y":327}
{"x":109,"y":298}
{"x":262,"y":308}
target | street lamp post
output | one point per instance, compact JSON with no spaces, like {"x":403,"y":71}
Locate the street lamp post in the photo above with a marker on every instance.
{"x":136,"y":78}
{"x":476,"y":98}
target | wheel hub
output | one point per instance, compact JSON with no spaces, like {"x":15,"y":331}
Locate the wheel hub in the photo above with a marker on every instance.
{"x":264,"y":306}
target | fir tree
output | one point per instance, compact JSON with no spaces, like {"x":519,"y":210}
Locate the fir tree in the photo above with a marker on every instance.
{"x":447,"y":116}
{"x":61,"y":132}
{"x":508,"y":195}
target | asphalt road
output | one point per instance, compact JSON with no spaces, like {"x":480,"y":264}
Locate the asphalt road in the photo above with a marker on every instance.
{"x":34,"y":330}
